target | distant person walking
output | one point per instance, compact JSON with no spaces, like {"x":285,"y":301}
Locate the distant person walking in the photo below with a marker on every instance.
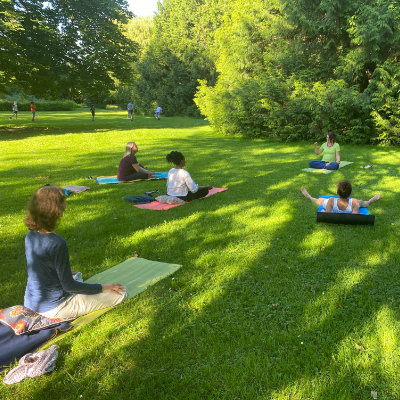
{"x":92,"y":110}
{"x":158,"y":112}
{"x":33,"y":111}
{"x":14,"y":110}
{"x":130,"y":110}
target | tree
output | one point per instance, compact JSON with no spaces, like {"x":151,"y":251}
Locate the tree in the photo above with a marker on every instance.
{"x":65,"y":48}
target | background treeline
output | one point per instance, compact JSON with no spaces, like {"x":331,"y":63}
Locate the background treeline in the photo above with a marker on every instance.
{"x":290,"y":69}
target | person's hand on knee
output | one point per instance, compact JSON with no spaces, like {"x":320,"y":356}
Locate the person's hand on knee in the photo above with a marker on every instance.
{"x":115,"y":288}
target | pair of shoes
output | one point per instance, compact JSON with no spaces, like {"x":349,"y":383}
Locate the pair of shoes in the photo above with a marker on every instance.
{"x":89,"y":177}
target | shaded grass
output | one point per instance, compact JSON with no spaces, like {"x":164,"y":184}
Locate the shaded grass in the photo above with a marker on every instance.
{"x":268,"y":304}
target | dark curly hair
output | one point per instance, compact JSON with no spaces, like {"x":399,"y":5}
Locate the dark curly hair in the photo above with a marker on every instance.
{"x":45,"y":208}
{"x":344,"y":188}
{"x":175,"y":157}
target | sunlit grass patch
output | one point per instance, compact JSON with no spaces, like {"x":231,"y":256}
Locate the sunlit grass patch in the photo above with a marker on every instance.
{"x":268,"y":304}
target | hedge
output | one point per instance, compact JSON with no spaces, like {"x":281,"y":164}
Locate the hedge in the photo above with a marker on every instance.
{"x":65,"y":105}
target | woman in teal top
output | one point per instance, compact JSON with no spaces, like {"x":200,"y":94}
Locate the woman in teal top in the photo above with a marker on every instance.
{"x":330,"y":153}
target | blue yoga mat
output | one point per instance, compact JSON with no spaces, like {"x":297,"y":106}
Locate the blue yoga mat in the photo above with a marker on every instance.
{"x":362,"y":210}
{"x":103,"y":180}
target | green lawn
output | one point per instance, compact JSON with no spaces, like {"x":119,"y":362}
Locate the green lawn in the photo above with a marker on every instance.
{"x":267,"y":305}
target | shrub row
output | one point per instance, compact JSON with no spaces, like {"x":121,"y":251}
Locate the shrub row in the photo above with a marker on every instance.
{"x":65,"y":105}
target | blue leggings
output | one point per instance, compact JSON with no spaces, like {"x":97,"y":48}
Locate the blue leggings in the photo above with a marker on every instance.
{"x":322,"y":165}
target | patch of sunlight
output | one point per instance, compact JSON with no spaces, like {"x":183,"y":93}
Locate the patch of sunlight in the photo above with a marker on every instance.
{"x":379,"y":257}
{"x":282,"y":185}
{"x":241,"y":254}
{"x":318,"y":311}
{"x":388,"y":331}
{"x":316,"y":241}
{"x":272,"y":150}
{"x":304,"y":388}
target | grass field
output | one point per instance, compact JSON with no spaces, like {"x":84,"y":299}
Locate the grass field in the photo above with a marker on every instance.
{"x":268,"y":304}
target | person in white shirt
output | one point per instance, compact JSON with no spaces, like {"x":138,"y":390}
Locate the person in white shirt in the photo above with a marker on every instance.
{"x":180,"y":183}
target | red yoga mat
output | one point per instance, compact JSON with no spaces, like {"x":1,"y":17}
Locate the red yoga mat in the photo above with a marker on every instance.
{"x":156,"y":205}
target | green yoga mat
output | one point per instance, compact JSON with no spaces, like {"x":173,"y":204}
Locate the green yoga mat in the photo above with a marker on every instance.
{"x":327,"y":171}
{"x":136,"y":274}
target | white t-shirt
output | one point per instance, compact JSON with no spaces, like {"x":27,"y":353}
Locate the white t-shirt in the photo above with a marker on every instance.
{"x":179,"y":182}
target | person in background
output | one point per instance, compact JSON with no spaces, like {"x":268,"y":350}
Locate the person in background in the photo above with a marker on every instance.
{"x":33,"y":111}
{"x":93,"y":111}
{"x":51,"y":289}
{"x":130,"y":111}
{"x":158,"y":112}
{"x":330,"y":153}
{"x":14,"y":110}
{"x":129,"y":169}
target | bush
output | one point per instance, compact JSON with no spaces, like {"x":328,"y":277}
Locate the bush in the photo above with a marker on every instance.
{"x":64,"y":105}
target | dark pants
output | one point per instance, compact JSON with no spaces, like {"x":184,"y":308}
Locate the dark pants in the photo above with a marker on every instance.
{"x":322,"y":165}
{"x":138,"y":175}
{"x":192,"y":196}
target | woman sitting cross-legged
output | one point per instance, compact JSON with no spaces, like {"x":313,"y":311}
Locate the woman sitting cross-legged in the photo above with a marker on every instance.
{"x":330,"y":153}
{"x":342,"y":204}
{"x":129,"y":169}
{"x":180,"y":183}
{"x":51,"y":289}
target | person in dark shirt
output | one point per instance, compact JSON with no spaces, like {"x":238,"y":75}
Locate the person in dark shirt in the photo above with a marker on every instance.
{"x":93,"y":111}
{"x":51,"y":289}
{"x":129,"y":169}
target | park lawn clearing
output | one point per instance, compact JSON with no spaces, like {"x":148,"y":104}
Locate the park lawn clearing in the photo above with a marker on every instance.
{"x":268,"y":304}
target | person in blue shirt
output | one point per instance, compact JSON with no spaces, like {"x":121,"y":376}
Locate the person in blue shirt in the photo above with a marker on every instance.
{"x":51,"y":289}
{"x":158,"y":112}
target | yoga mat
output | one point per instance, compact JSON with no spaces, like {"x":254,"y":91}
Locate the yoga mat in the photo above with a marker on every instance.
{"x":104,"y":180}
{"x":361,"y":210}
{"x":136,"y":274}
{"x":327,"y":171}
{"x":156,"y":205}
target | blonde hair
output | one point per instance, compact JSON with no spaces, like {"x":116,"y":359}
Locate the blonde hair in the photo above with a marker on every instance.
{"x":128,"y":148}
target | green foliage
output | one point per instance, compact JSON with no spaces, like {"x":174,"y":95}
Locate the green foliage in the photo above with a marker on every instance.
{"x":61,"y":105}
{"x":385,"y":89}
{"x":179,"y":53}
{"x":64,"y":48}
{"x":296,"y":69}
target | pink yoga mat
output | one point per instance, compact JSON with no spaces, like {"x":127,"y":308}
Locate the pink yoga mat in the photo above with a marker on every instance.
{"x":156,"y":205}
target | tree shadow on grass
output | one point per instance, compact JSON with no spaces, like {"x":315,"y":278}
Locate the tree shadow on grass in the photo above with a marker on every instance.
{"x":62,"y":124}
{"x":266,"y":324}
{"x":259,"y":277}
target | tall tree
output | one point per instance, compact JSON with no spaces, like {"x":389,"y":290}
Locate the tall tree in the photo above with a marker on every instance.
{"x":68,"y":48}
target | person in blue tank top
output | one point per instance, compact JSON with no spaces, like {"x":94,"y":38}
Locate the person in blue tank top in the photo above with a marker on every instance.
{"x":342,"y":204}
{"x":51,"y":289}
